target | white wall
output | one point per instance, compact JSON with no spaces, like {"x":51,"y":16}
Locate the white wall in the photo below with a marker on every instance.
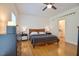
{"x":5,"y":11}
{"x":5,"y":14}
{"x":72,"y":21}
{"x":30,"y":21}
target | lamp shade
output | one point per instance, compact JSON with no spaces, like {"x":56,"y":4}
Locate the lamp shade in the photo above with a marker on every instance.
{"x":23,"y":28}
{"x":47,"y":29}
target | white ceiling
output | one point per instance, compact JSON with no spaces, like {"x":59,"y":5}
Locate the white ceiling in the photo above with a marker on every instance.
{"x":36,"y":9}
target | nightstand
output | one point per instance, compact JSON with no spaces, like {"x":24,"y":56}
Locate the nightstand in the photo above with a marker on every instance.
{"x":24,"y":36}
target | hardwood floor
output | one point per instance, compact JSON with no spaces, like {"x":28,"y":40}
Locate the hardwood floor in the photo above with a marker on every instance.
{"x":24,"y":48}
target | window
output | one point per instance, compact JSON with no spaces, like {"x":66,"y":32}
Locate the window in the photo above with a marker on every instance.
{"x":13,"y":20}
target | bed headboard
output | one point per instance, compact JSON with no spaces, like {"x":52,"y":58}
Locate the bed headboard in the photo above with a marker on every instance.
{"x":36,"y":30}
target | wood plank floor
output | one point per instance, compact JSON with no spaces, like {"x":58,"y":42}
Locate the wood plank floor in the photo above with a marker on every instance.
{"x":24,"y":48}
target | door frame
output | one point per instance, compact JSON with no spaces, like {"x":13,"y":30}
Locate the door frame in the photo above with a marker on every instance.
{"x":65,"y":26}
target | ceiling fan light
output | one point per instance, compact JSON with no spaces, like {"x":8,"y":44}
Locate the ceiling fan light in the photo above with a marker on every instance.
{"x":49,"y":6}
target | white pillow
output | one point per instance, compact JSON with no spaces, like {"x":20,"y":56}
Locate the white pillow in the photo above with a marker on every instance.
{"x":42,"y":33}
{"x":33,"y":33}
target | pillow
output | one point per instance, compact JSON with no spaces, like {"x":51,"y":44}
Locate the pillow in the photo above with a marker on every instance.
{"x":42,"y":33}
{"x":48,"y":33}
{"x":34,"y":33}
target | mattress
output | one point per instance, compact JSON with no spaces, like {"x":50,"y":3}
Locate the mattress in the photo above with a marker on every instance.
{"x":40,"y":36}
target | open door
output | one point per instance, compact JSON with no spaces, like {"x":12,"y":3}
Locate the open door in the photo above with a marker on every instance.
{"x":61,"y":30}
{"x":61,"y":25}
{"x":78,"y":43}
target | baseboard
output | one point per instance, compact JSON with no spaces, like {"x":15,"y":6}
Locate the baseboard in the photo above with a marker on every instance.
{"x":75,"y":43}
{"x":71,"y":44}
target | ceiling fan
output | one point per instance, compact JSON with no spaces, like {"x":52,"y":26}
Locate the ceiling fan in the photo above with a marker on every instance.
{"x":49,"y":5}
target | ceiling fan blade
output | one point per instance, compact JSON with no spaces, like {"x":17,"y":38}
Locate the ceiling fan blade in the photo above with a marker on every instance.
{"x":54,"y":7}
{"x":44,"y":8}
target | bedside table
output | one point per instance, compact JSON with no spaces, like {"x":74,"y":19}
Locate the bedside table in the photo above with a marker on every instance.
{"x":24,"y":36}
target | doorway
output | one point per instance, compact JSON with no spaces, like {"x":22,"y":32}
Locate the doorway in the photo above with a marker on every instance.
{"x":61,"y":35}
{"x":61,"y":28}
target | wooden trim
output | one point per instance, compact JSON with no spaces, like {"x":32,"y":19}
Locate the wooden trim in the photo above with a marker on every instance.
{"x":36,"y":30}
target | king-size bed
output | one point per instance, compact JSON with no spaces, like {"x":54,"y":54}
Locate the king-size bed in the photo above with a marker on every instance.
{"x":41,"y":37}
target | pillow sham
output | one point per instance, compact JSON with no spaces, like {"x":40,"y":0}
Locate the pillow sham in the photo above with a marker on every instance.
{"x":33,"y":33}
{"x":42,"y":33}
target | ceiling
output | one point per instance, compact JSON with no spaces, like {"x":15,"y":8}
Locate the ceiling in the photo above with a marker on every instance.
{"x":36,"y":9}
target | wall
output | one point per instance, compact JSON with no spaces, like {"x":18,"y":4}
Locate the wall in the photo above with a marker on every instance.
{"x":71,"y":31}
{"x":5,"y":14}
{"x":6,"y":9}
{"x":30,"y":21}
{"x":7,"y":39}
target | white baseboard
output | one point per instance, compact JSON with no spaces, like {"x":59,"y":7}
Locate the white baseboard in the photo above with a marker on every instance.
{"x":74,"y":43}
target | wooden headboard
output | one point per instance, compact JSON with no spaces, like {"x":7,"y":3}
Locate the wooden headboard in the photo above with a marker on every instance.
{"x":36,"y":30}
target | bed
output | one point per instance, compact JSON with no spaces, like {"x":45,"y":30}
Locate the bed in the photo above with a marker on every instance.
{"x":41,"y":37}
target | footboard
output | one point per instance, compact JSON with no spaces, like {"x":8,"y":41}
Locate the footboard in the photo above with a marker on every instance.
{"x":43,"y":38}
